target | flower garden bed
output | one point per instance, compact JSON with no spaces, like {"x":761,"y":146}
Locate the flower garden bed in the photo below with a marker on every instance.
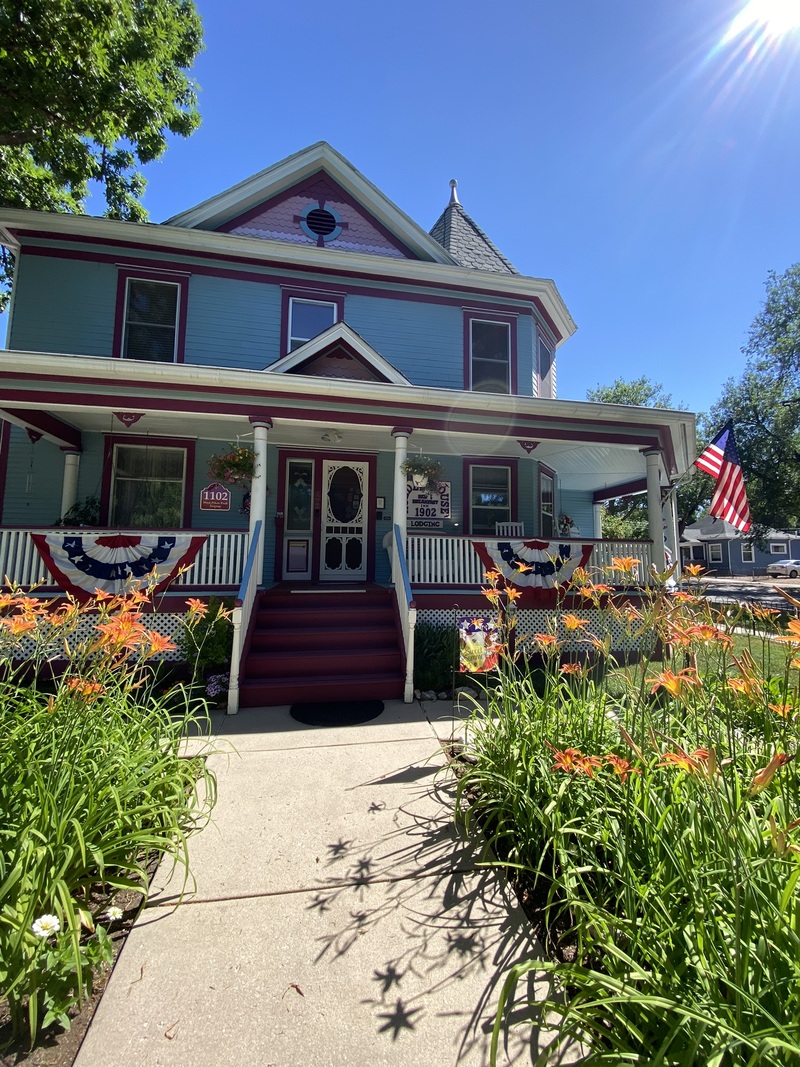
{"x":652,"y":822}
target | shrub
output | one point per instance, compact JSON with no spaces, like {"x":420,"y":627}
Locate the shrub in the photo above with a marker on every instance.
{"x":206,"y":636}
{"x":92,"y":783}
{"x":435,"y":650}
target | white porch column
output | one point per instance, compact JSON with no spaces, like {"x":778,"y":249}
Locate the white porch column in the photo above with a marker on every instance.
{"x":258,"y":489}
{"x":597,"y":517}
{"x":655,"y":527}
{"x":401,"y":435}
{"x":669,"y":519}
{"x":69,"y":485}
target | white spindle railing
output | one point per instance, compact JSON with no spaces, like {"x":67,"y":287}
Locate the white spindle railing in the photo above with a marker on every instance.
{"x":453,"y":561}
{"x":219,"y":562}
{"x":407,"y":610}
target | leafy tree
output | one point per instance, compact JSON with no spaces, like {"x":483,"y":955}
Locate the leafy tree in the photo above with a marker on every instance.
{"x":90,"y":89}
{"x":765,"y":407}
{"x":626,"y":517}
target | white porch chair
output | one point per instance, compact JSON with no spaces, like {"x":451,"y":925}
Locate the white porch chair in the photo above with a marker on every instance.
{"x":509,"y":529}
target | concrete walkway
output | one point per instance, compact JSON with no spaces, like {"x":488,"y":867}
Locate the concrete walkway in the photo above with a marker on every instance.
{"x":337,"y":917}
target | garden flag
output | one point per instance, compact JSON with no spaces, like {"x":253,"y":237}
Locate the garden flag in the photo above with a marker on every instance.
{"x":114,"y":563}
{"x":721,"y":461}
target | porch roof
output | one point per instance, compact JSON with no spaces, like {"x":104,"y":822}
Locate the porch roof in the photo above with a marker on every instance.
{"x":589,"y":445}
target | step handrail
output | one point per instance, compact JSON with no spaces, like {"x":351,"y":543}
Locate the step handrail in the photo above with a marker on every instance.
{"x":408,"y":612}
{"x":240,"y":617}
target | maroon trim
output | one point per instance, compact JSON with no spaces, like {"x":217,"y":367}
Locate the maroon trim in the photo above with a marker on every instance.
{"x":495,"y":461}
{"x":282,"y":279}
{"x":45,"y":423}
{"x":124,"y":275}
{"x":398,"y":430}
{"x":303,"y":188}
{"x":378,"y":375}
{"x":319,"y":296}
{"x":386,"y":417}
{"x":544,"y":469}
{"x":475,"y":315}
{"x":318,"y":457}
{"x":156,"y":442}
{"x":260,"y":420}
{"x":612,"y":492}
{"x":5,"y":438}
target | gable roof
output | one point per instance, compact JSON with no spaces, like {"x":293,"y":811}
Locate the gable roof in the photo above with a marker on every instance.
{"x":337,"y":341}
{"x":245,"y":197}
{"x":466,"y":242}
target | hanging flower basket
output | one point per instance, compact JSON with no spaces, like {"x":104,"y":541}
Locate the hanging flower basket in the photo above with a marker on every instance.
{"x":565,"y":524}
{"x":234,"y":467}
{"x":422,"y":469}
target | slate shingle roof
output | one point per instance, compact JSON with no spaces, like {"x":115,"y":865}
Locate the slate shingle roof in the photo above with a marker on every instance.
{"x":467,"y":243}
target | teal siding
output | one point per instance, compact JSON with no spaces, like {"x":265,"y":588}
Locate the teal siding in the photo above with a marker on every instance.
{"x":64,"y":306}
{"x":578,"y":505}
{"x":33,"y":482}
{"x":232,"y":323}
{"x":423,"y":341}
{"x":214,"y":520}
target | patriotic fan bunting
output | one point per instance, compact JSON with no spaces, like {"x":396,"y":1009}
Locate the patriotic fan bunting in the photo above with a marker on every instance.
{"x":114,"y":563}
{"x":533,"y":564}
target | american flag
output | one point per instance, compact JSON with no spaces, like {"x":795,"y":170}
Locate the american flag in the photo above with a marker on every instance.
{"x":721,"y":461}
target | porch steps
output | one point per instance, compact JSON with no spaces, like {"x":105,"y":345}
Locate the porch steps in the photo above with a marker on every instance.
{"x":323,"y":644}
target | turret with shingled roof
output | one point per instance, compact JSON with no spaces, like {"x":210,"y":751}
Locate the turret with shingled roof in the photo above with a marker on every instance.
{"x":466,"y":242}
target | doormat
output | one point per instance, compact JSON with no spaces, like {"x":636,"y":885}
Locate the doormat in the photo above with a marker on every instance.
{"x":336,"y":712}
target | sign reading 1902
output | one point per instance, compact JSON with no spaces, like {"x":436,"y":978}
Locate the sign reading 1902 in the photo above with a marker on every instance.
{"x":427,"y":508}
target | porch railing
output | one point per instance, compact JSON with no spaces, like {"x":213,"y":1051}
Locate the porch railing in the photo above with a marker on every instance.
{"x":241,"y":617}
{"x":408,"y":612}
{"x":453,"y":561}
{"x":220,"y":562}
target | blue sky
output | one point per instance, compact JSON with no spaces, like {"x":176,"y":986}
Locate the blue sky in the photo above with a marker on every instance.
{"x":617,"y":147}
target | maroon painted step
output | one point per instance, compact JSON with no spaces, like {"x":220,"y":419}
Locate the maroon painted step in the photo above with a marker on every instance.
{"x":331,"y":643}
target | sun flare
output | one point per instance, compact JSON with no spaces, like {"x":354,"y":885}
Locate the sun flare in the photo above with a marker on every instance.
{"x":767,"y":18}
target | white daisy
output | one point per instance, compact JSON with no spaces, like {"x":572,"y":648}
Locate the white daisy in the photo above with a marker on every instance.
{"x":46,"y":926}
{"x":114,"y":913}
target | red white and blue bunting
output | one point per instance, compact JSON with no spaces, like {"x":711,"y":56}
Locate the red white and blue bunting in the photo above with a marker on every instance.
{"x":114,"y":563}
{"x":533,"y":564}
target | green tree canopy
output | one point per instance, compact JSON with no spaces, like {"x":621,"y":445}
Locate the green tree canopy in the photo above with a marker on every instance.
{"x":89,"y":90}
{"x":764,"y":406}
{"x":627,"y":517}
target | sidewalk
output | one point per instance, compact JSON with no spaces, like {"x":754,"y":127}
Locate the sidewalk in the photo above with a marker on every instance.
{"x":337,"y":918}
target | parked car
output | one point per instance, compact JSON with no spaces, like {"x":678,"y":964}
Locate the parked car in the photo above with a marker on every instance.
{"x":784,"y":568}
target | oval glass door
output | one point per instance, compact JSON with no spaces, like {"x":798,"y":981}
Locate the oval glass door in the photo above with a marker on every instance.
{"x":344,"y":526}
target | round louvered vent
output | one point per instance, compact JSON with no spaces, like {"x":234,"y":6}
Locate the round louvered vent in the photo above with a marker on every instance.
{"x":321,"y":222}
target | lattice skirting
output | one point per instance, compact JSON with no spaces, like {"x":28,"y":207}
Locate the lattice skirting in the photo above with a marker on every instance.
{"x":542,"y":622}
{"x":168,"y":624}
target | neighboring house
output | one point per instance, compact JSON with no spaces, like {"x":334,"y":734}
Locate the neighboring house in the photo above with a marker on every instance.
{"x":721,"y":548}
{"x":303,"y":313}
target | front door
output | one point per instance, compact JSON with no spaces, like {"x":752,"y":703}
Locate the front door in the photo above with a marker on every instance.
{"x":343,"y":540}
{"x":298,"y":529}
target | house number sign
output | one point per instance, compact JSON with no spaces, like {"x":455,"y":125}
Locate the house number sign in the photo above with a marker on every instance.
{"x":428,"y":508}
{"x":215,"y":497}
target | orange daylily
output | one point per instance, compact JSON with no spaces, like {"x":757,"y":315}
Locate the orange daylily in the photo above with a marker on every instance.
{"x":621,"y":767}
{"x":17,"y":624}
{"x":159,"y":643}
{"x":686,"y":761}
{"x":545,"y":640}
{"x":677,"y":684}
{"x":523,"y":568}
{"x":196,"y":607}
{"x":784,"y":710}
{"x":572,"y":760}
{"x":762,"y":778}
{"x":572,"y":622}
{"x":792,"y":637}
{"x":492,"y":577}
{"x":571,"y":668}
{"x":85,"y":688}
{"x":492,"y":595}
{"x":694,"y":570}
{"x":513,"y":594}
{"x":626,"y":564}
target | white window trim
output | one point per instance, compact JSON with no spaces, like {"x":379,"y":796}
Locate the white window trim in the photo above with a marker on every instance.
{"x":551,"y":393}
{"x":749,"y":548}
{"x":291,"y":337}
{"x":714,"y":545}
{"x":490,"y":322}
{"x":778,"y":548}
{"x":126,"y":323}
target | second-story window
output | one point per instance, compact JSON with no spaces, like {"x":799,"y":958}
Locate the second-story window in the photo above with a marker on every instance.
{"x":151,"y":320}
{"x":307,"y":318}
{"x":546,"y":371}
{"x":490,"y":356}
